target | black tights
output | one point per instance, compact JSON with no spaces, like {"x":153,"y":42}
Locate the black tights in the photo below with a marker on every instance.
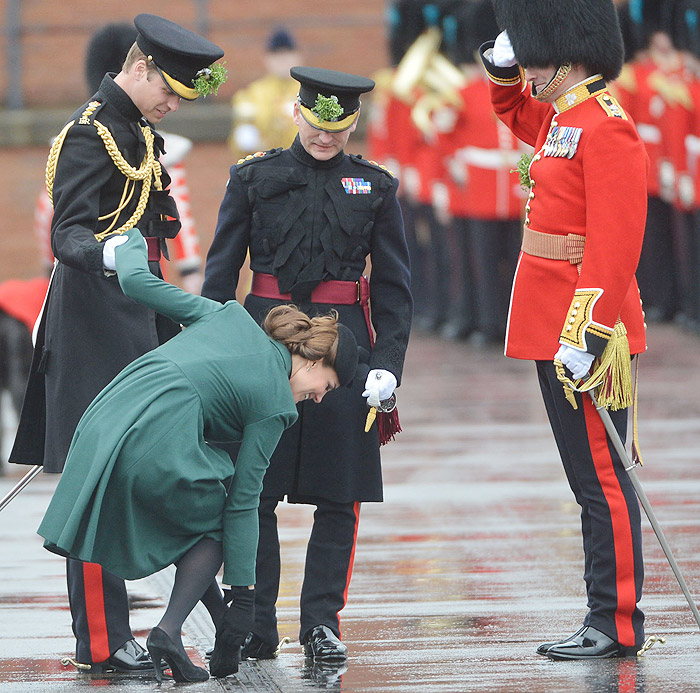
{"x":197,"y":568}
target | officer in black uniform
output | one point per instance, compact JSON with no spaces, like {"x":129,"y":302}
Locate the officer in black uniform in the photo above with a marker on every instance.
{"x":310,"y":216}
{"x":104,"y":178}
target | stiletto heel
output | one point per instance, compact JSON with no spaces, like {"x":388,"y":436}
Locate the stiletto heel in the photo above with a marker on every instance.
{"x":161,"y":647}
{"x":156,"y":658}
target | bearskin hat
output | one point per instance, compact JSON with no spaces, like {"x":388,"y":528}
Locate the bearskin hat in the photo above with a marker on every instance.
{"x":648,"y":17}
{"x":685,"y":25}
{"x":554,"y":32}
{"x":405,"y":22}
{"x":629,"y":36}
{"x":476,"y":24}
{"x":106,"y":51}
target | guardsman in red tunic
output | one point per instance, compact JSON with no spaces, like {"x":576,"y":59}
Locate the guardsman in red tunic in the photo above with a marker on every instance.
{"x":574,"y":289}
{"x":689,"y":185}
{"x":392,"y":137}
{"x":485,"y":197}
{"x":427,"y":84}
{"x":650,"y":90}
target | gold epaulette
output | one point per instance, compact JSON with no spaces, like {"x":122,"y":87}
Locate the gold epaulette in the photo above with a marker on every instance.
{"x":611,"y":106}
{"x":250,"y":156}
{"x":89,"y":110}
{"x":259,"y":155}
{"x":381,"y":166}
{"x":374,"y":164}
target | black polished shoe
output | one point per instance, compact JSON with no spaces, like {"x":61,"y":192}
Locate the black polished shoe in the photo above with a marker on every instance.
{"x":542,"y":649}
{"x":161,"y":647}
{"x":321,"y":643}
{"x":131,"y":656}
{"x":254,"y":647}
{"x":589,"y":643}
{"x":329,"y":674}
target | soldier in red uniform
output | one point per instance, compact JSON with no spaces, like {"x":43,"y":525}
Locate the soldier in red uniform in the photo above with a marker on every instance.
{"x":485,"y":199}
{"x":574,"y":282}
{"x":686,"y":37}
{"x":415,"y":116}
{"x":690,"y":42}
{"x":651,"y":90}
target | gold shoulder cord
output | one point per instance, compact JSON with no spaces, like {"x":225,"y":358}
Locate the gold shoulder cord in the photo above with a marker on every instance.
{"x":149,"y":169}
{"x":52,"y":161}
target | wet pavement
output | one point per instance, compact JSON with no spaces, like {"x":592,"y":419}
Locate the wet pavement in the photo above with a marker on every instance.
{"x":473,"y":559}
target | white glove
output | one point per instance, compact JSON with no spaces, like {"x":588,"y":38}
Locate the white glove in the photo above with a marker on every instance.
{"x":578,"y":362}
{"x":379,"y":386}
{"x":108,"y":260}
{"x":502,"y":54}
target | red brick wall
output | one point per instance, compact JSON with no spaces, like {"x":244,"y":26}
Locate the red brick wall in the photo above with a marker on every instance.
{"x":337,"y":35}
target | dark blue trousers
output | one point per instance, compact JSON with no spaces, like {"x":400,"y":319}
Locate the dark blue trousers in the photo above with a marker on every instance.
{"x":100,"y":610}
{"x":610,"y":515}
{"x":330,"y":554}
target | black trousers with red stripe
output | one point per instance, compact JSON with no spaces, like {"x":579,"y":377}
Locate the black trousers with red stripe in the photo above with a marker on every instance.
{"x":330,"y":554}
{"x":100,"y":609}
{"x":610,"y":515}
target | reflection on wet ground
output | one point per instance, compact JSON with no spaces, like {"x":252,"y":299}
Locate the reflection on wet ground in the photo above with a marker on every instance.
{"x":473,"y":559}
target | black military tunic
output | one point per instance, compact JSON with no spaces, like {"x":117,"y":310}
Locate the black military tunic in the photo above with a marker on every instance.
{"x":308,"y":221}
{"x":89,"y":330}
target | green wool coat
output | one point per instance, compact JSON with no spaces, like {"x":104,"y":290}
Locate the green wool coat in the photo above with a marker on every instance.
{"x":141,"y":485}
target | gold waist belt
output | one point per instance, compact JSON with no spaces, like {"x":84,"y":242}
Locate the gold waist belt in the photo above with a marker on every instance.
{"x":553,"y":247}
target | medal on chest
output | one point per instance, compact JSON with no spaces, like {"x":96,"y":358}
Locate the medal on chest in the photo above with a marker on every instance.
{"x":561,"y":141}
{"x":356,"y":186}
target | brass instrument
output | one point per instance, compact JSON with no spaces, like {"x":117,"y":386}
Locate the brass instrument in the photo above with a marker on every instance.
{"x":424,"y":69}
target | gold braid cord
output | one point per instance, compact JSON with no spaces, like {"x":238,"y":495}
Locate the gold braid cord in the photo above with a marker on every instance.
{"x":52,"y":161}
{"x":149,"y":169}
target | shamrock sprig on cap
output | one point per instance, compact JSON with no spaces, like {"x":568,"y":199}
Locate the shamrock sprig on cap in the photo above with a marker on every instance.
{"x":327,"y":108}
{"x":209,"y":79}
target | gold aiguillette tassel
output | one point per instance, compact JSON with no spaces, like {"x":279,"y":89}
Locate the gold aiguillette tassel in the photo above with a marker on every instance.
{"x":371,"y":416}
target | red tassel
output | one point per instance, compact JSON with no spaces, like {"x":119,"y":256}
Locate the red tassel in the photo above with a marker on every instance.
{"x":389,"y":425}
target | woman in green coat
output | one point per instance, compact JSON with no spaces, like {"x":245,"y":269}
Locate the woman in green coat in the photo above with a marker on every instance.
{"x":142,"y":488}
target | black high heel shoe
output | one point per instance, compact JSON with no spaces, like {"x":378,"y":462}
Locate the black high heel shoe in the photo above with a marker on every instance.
{"x":160,"y":647}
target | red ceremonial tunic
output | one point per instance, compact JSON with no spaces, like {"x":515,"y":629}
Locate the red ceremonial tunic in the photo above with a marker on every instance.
{"x":639,"y":89}
{"x":486,"y":152}
{"x":689,"y":176}
{"x":598,"y":192}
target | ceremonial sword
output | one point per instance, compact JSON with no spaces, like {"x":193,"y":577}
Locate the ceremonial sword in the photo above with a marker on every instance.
{"x":630,"y":468}
{"x":20,"y":485}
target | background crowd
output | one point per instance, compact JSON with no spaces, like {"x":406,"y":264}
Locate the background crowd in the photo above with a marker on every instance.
{"x":432,"y":124}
